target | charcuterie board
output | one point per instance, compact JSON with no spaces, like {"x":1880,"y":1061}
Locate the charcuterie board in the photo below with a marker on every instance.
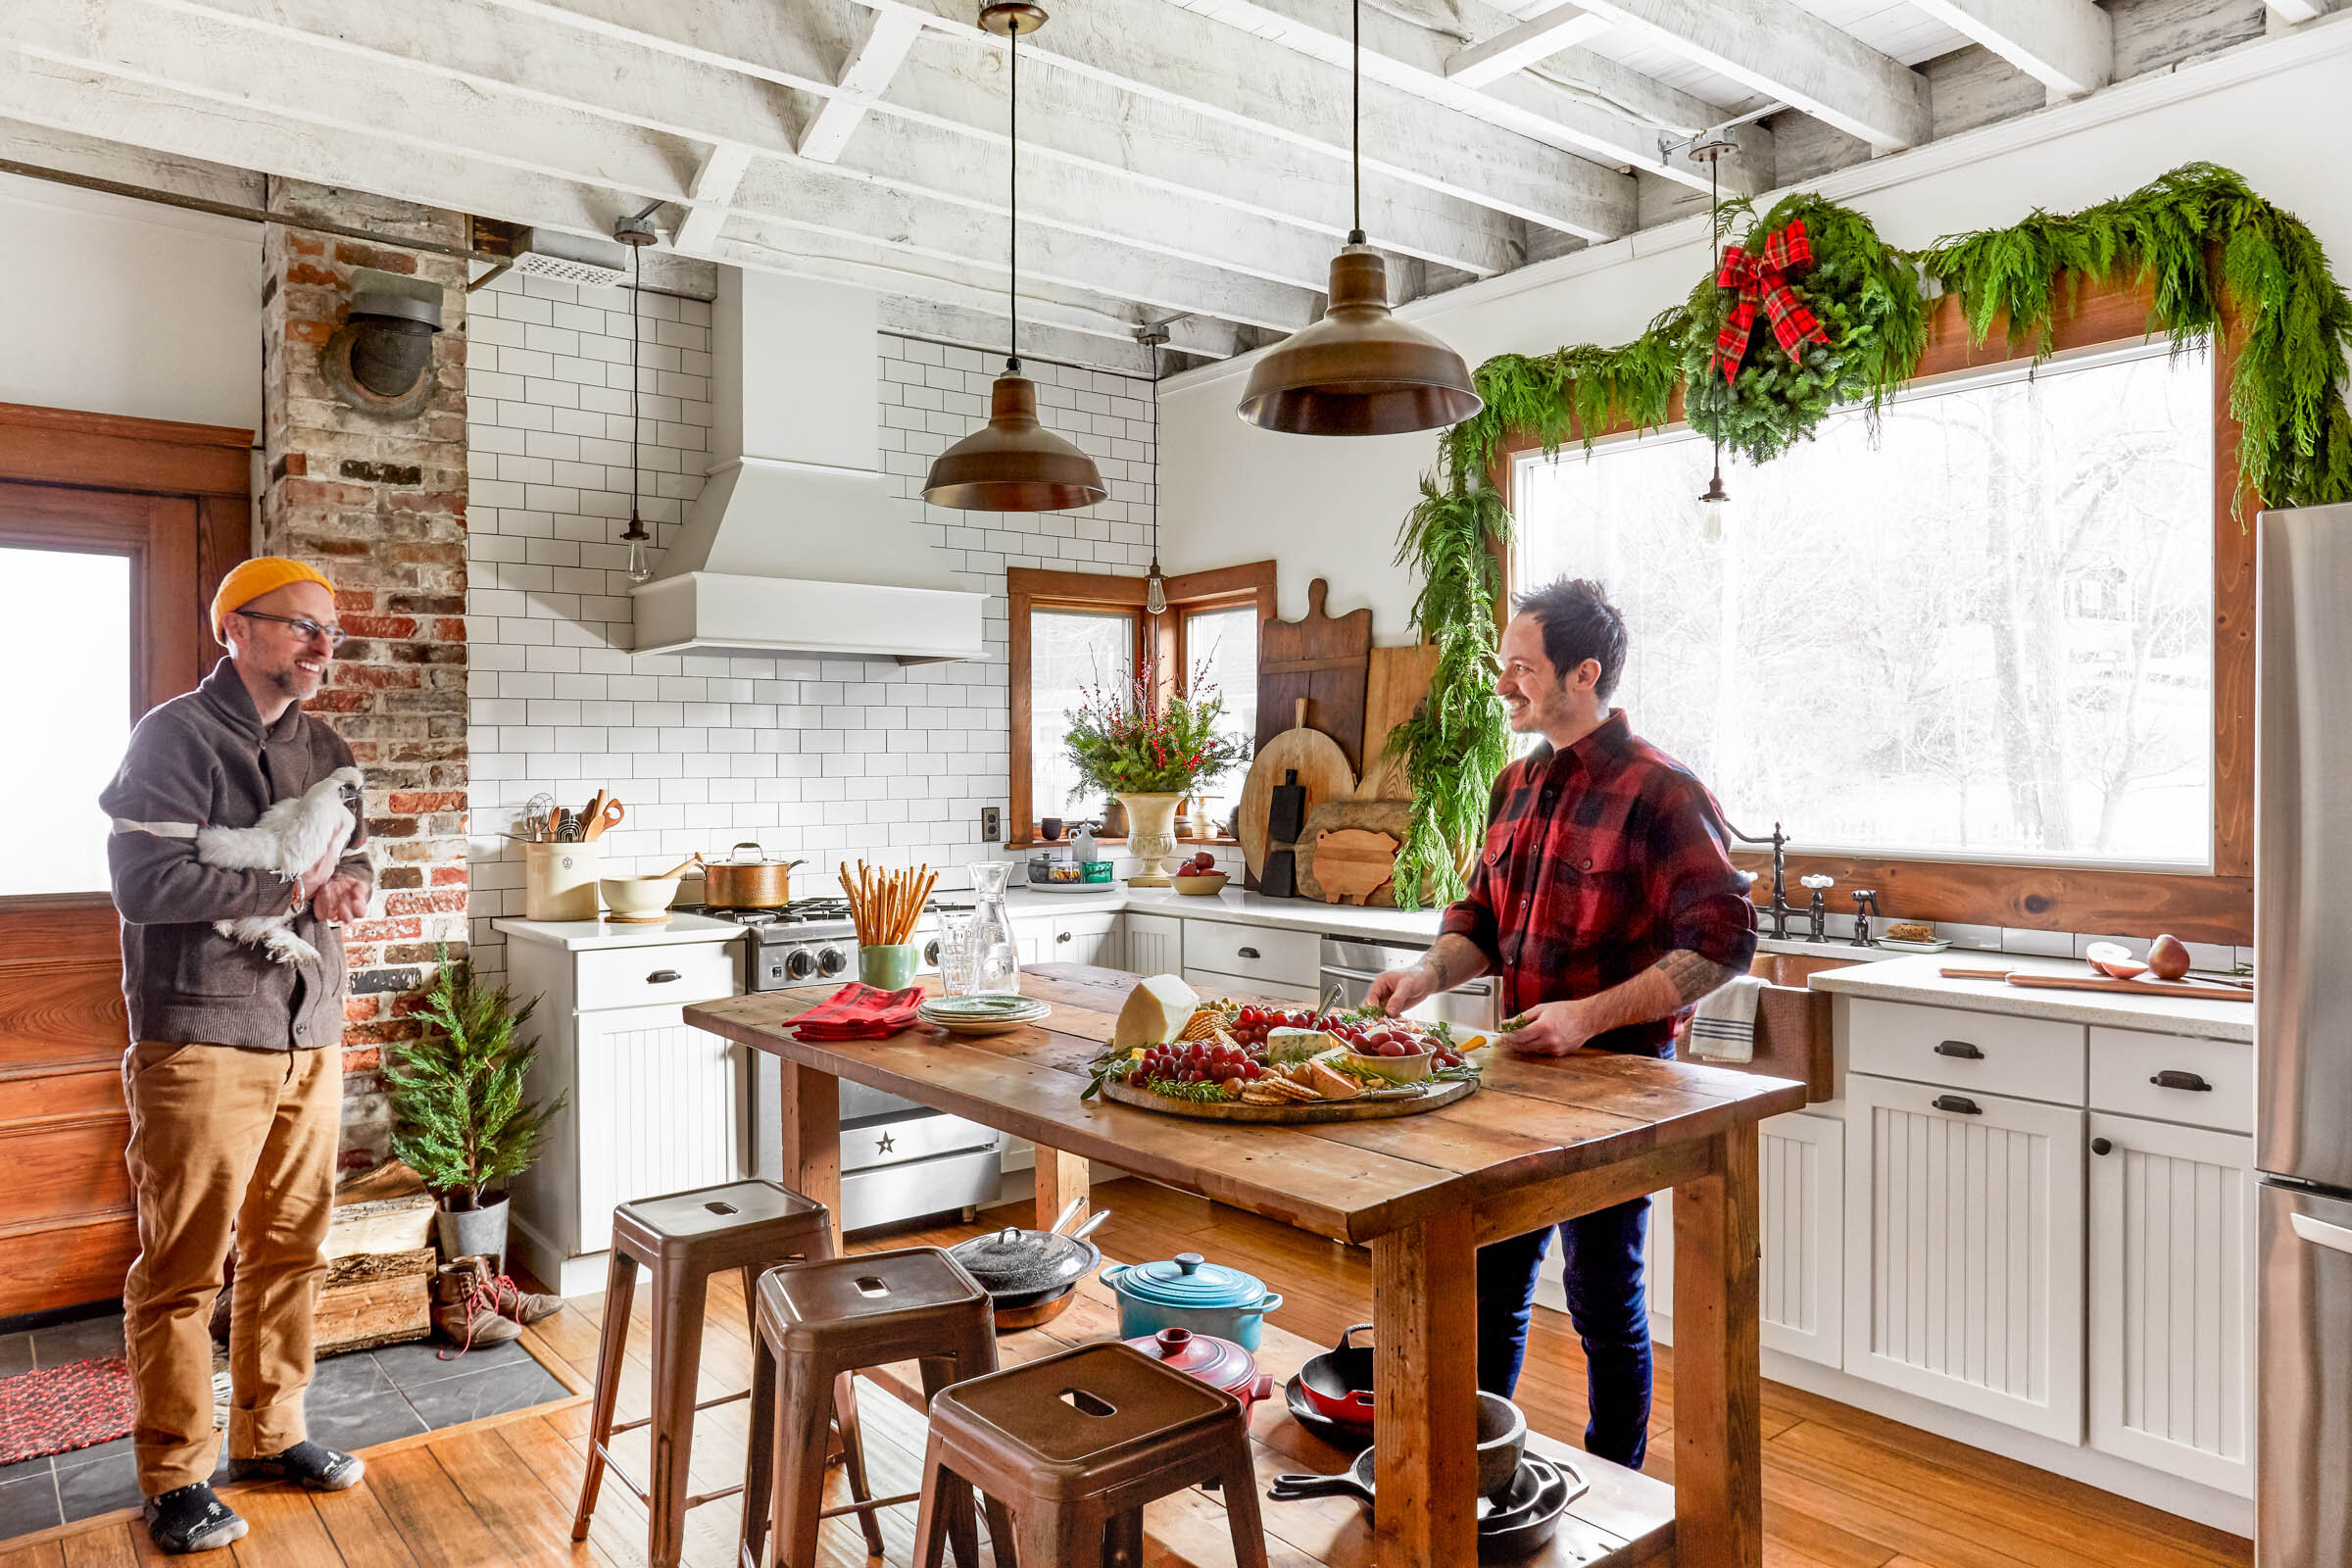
{"x":1303,"y":1113}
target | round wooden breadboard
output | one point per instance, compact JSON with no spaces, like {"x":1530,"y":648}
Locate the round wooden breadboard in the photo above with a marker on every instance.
{"x":1322,"y":769}
{"x":1305,"y":1112}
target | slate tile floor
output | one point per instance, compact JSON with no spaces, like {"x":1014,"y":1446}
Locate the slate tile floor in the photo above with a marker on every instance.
{"x":356,"y":1400}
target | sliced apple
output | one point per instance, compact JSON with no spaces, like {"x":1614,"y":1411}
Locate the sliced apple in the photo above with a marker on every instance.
{"x":2114,"y":960}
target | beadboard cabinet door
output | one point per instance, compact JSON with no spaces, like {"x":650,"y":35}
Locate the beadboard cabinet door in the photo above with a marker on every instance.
{"x":659,"y":1110}
{"x":1155,"y":944}
{"x":1964,"y":1250}
{"x":1801,"y":1276}
{"x":2172,"y":1298}
{"x":1086,"y":939}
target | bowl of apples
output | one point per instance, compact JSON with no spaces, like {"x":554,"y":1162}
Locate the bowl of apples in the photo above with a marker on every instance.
{"x":1200,"y":878}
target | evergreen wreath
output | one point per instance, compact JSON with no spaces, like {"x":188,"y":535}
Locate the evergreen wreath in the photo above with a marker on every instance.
{"x":2200,"y":234}
{"x":461,"y":1119}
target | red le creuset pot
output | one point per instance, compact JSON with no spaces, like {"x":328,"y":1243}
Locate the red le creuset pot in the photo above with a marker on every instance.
{"x":1219,"y":1363}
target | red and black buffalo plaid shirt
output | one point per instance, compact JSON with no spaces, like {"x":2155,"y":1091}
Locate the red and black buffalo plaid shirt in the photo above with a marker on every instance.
{"x":1600,"y":860}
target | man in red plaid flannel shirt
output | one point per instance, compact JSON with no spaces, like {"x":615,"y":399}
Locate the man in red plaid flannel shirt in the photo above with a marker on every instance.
{"x":1606,"y":902}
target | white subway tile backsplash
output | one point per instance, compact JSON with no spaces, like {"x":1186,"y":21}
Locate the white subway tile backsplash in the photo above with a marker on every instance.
{"x":823,"y":759}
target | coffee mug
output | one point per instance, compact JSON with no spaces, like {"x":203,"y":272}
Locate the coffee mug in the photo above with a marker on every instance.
{"x":1049,"y":828}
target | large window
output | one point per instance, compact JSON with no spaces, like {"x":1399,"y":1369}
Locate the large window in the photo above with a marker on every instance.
{"x":1982,"y":630}
{"x":1075,"y":630}
{"x":1072,"y":653}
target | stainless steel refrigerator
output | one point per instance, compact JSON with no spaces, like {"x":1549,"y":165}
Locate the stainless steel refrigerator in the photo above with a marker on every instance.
{"x":2303,"y":1037}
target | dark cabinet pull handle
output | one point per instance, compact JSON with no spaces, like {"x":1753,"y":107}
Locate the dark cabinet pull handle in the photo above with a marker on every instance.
{"x":1061,"y":936}
{"x":2171,"y":1078}
{"x":1959,"y":1104}
{"x":1249,"y":953}
{"x":2102,"y":1146}
{"x":660,"y":977}
{"x":1961,"y":1049}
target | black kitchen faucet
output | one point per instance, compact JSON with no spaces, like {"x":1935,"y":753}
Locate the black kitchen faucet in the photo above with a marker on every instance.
{"x":1779,"y":908}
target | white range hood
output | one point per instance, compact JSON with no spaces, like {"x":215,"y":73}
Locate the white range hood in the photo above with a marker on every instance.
{"x":795,"y":545}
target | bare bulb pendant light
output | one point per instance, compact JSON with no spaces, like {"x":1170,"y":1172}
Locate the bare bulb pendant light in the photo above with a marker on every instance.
{"x":1712,"y":154}
{"x":1359,"y":370}
{"x":1013,"y":463}
{"x":1155,"y":586}
{"x":636,"y":233}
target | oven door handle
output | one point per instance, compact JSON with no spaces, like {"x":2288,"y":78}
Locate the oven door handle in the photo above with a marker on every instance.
{"x":1468,"y":988}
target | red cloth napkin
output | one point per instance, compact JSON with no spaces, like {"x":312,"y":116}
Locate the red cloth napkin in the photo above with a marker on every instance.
{"x":859,"y":1011}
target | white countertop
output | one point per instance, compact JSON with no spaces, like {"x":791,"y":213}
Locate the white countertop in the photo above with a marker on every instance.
{"x":576,"y":935}
{"x":1916,"y":979}
{"x":1242,"y":908}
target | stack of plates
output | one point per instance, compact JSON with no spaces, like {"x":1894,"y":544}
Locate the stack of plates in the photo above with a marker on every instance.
{"x":989,"y":1014}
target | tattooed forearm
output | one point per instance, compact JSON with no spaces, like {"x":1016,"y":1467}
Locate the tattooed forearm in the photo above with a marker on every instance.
{"x":1453,"y":959}
{"x":1693,"y":975}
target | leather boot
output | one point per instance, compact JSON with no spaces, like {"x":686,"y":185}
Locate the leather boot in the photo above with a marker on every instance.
{"x":465,"y":1309}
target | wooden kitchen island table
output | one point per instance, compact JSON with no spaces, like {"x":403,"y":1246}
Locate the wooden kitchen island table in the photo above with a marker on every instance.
{"x":1541,"y":1141}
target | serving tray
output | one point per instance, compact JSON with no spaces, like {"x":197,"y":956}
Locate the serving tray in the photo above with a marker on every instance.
{"x":1304,"y":1112}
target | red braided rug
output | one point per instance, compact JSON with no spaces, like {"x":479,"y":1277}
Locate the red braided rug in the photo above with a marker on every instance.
{"x":64,"y":1408}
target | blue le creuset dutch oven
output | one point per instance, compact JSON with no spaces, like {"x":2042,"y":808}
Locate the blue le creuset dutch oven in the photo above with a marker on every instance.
{"x":1186,"y":1292}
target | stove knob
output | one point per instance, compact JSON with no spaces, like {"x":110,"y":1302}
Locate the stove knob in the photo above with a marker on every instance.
{"x":831,"y":961}
{"x":799,"y":964}
{"x":931,"y":953}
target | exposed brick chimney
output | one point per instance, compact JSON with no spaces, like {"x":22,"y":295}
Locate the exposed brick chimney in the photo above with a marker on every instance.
{"x":376,"y":500}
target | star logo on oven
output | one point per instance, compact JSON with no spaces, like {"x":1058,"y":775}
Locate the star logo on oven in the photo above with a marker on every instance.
{"x":885,"y":1146}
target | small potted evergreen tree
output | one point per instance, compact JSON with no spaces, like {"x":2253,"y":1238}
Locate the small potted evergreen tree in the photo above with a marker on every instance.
{"x":461,"y":1122}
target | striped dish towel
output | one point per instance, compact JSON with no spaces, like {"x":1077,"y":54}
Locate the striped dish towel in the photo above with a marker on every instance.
{"x":1724,"y":1029}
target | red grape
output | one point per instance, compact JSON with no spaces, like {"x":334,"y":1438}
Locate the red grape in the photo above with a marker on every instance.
{"x":1392,"y":1049}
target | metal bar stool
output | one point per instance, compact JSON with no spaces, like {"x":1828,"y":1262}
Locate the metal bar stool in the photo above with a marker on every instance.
{"x":820,"y":1323}
{"x":1074,"y":1444}
{"x":684,"y":1238}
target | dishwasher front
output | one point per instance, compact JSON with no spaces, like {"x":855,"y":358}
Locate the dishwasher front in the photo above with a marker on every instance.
{"x":1350,"y":967}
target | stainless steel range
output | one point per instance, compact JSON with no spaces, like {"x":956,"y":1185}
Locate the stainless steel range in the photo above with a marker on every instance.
{"x":899,"y":1162}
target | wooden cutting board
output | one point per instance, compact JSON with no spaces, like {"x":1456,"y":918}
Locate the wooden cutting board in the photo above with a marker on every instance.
{"x":1389,"y":820}
{"x":2100,"y":982}
{"x":1354,"y":865}
{"x":1398,"y":680}
{"x":1322,"y":769}
{"x":1326,"y":661}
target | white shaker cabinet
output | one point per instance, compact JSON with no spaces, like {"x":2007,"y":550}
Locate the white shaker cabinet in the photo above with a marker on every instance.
{"x":1069,"y":939}
{"x":1964,"y":1250}
{"x":2171,"y":1296}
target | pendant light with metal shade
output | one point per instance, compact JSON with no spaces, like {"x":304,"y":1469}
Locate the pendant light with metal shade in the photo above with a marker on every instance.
{"x":1359,"y":370}
{"x":1013,"y":463}
{"x":1715,"y":500}
{"x":1155,"y":585}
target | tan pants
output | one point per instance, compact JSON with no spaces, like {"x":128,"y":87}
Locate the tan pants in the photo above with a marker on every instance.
{"x":218,"y":1136}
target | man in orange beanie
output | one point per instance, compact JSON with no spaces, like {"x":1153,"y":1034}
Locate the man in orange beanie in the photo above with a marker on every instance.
{"x":234,"y":1075}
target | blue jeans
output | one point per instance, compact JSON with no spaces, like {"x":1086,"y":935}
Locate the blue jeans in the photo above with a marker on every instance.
{"x":1602,"y":1255}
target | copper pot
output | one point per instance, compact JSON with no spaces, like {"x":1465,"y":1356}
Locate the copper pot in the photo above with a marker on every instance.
{"x":753,"y":883}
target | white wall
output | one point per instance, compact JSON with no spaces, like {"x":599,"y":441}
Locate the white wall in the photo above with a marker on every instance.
{"x":1333,"y":506}
{"x":126,"y":307}
{"x":828,"y":760}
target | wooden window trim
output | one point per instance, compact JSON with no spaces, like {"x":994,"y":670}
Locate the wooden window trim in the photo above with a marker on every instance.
{"x":1159,"y":641}
{"x":2216,"y":907}
{"x":52,"y":459}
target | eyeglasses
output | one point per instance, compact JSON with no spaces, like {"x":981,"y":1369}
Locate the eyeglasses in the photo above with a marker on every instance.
{"x":303,"y":625}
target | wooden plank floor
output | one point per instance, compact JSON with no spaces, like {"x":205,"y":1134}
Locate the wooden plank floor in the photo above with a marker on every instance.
{"x":1843,"y":1489}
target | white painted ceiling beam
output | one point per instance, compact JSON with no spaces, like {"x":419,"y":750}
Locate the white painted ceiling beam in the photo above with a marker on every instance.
{"x":1159,"y":50}
{"x":396,"y":102}
{"x":1182,"y":171}
{"x":71,"y":153}
{"x":2298,"y":9}
{"x":929,"y":319}
{"x":1516,"y":48}
{"x":1412,"y":58}
{"x":888,"y":35}
{"x":710,"y":192}
{"x":1780,"y":49}
{"x":2067,"y":45}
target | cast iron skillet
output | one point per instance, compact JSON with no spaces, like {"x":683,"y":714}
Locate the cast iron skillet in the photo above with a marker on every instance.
{"x":1338,"y":1382}
{"x":1516,"y":1524}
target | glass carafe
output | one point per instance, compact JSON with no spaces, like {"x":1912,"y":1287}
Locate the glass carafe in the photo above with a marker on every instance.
{"x":995,"y":954}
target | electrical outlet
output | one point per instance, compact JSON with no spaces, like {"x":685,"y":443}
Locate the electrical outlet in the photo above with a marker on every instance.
{"x":992,"y":825}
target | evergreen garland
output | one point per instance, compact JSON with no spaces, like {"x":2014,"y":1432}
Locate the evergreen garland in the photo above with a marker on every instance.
{"x":461,"y":1121}
{"x":2200,"y":233}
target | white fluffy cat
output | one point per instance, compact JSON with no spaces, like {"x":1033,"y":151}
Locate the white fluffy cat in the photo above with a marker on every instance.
{"x":290,"y":838}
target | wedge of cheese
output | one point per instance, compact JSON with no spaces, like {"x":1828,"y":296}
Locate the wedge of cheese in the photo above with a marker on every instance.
{"x":1156,"y":1013}
{"x":1287,"y":1045}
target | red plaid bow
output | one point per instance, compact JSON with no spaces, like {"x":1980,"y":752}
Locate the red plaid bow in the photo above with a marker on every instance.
{"x":1763,"y":280}
{"x":860,"y":1012}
